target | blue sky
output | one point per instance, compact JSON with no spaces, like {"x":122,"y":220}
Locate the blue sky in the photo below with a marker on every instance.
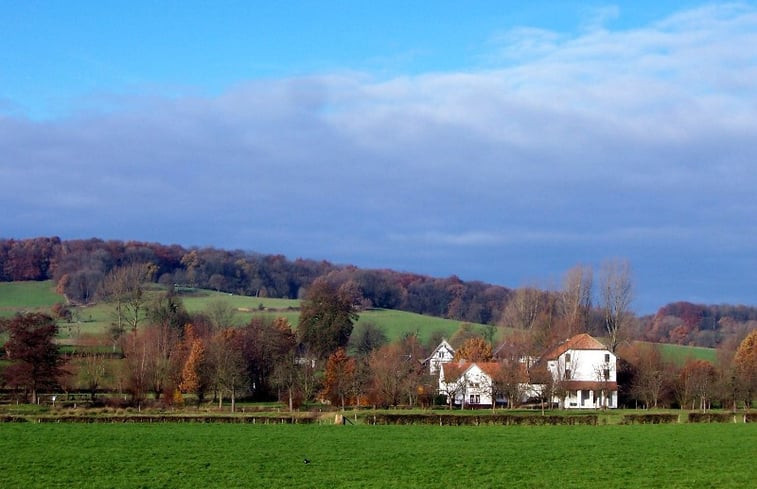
{"x":486,"y":139}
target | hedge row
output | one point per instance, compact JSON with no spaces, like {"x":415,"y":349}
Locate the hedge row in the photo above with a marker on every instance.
{"x":649,"y":419}
{"x":716,"y":418}
{"x":465,"y":420}
{"x":162,"y":419}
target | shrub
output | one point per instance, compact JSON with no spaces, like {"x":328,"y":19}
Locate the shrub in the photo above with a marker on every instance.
{"x":649,"y":419}
{"x":711,"y":418}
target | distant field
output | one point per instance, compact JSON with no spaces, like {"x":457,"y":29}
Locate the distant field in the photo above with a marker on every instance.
{"x":231,"y":456}
{"x":680,"y":353}
{"x":16,"y":296}
{"x":396,"y":323}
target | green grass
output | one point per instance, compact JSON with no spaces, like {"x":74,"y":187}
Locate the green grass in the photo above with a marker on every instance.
{"x":679,"y":354}
{"x":21,"y":296}
{"x":218,"y":455}
{"x":397,"y":323}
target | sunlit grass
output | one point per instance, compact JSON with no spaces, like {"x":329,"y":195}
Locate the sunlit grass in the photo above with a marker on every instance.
{"x":178,"y":455}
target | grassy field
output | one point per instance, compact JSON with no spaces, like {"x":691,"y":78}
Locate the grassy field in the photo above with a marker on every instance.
{"x":27,"y":296}
{"x":198,"y":455}
{"x":680,"y":353}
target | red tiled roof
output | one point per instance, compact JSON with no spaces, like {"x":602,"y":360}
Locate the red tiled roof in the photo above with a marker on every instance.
{"x":453,"y":370}
{"x":581,"y":341}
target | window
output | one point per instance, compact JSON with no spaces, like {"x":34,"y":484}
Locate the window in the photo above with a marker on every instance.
{"x":472,"y":399}
{"x":441,"y":354}
{"x":567,"y":357}
{"x":607,"y":358}
{"x":567,"y":374}
{"x":606,"y":373}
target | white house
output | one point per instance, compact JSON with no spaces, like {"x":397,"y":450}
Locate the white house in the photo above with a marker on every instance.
{"x":584,"y":373}
{"x":466,"y":383}
{"x":444,"y":353}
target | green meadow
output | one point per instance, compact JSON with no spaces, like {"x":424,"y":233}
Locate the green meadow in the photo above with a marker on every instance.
{"x":230,"y":456}
{"x":27,"y":296}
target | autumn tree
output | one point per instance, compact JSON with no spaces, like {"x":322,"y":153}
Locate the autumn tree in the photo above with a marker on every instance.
{"x":339,"y":375}
{"x":475,"y":349}
{"x":745,"y":363}
{"x":35,"y":363}
{"x":326,"y":319}
{"x":616,"y":293}
{"x":695,"y":384}
{"x":392,"y":369}
{"x":194,"y":372}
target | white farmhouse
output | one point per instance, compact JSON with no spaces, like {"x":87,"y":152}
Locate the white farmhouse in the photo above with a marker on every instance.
{"x":584,"y":373}
{"x":466,"y":383}
{"x":444,"y":353}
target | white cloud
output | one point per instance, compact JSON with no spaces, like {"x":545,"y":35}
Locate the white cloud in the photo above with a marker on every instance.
{"x":606,"y":142}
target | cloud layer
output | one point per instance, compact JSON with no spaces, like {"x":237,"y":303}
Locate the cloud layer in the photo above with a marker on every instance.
{"x":637,"y":143}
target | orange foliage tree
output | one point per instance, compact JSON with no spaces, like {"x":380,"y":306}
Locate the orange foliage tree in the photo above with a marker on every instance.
{"x":339,"y":376}
{"x":474,"y":349}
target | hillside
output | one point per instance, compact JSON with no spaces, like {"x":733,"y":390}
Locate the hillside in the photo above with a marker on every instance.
{"x":79,"y":267}
{"x":95,"y":319}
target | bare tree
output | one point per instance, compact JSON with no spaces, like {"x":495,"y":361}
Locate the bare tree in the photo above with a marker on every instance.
{"x":616,"y":293}
{"x":453,"y":386}
{"x":575,"y":298}
{"x":228,"y":368}
{"x":124,"y":288}
{"x":602,"y":374}
{"x":92,"y":372}
{"x":524,"y":307}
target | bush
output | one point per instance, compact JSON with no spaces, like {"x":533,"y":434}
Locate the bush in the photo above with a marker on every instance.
{"x":649,"y":419}
{"x":494,"y":419}
{"x":711,"y":418}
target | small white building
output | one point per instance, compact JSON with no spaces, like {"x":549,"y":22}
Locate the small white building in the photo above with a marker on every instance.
{"x":466,"y":383}
{"x":584,"y":373}
{"x":444,"y":353}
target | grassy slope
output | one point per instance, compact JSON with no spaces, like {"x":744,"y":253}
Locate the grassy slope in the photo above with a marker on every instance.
{"x":17,"y":296}
{"x":27,"y":296}
{"x":230,"y":456}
